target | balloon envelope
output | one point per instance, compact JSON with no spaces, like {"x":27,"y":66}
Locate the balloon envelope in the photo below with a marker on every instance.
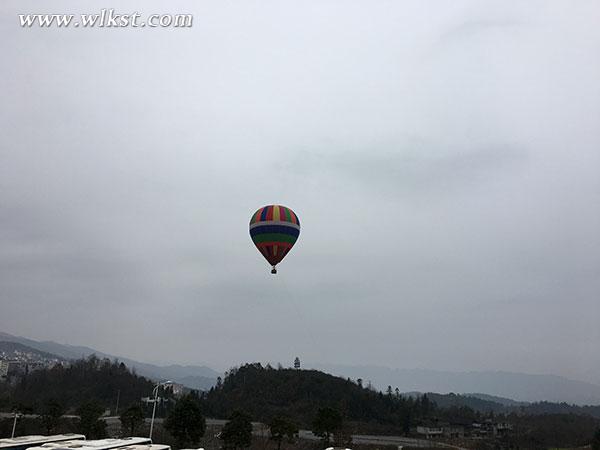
{"x":274,"y":230}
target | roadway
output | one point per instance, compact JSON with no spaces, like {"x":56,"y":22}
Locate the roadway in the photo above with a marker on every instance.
{"x":262,"y":430}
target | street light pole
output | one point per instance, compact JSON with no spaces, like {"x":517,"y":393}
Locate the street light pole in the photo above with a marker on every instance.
{"x":14,"y":425}
{"x":118,"y":396}
{"x":155,"y":392}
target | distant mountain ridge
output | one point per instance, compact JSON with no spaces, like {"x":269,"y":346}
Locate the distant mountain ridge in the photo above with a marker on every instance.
{"x":496,"y":399}
{"x":195,"y":377}
{"x":505,"y":388}
{"x":498,"y":405}
{"x":506,"y":385}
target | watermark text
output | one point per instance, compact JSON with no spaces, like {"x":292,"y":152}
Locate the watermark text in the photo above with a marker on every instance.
{"x":106,"y":18}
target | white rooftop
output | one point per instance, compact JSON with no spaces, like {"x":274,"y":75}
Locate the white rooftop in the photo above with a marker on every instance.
{"x":97,"y":444}
{"x":147,"y":447}
{"x":39,"y":439}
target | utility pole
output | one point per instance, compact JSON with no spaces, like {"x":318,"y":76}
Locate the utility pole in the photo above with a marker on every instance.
{"x":17,"y":415}
{"x":118,"y":396}
{"x":155,"y":392}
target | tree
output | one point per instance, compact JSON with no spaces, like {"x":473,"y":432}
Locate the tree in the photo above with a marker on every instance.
{"x":51,"y":414}
{"x":280,"y":428}
{"x":237,"y":433}
{"x":406,"y":421}
{"x":186,"y":422}
{"x":89,"y":420}
{"x":426,"y":406}
{"x":297,"y":363}
{"x":596,"y":440}
{"x":80,"y":382}
{"x":132,"y":418}
{"x":327,"y":422}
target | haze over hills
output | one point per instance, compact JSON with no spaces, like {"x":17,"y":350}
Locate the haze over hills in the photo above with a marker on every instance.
{"x":500,"y":387}
{"x":477,"y":402}
{"x":509,"y":385}
{"x":195,"y":377}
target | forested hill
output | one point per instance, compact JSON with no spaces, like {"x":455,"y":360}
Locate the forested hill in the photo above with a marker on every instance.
{"x":265,"y":392}
{"x":82,"y":381}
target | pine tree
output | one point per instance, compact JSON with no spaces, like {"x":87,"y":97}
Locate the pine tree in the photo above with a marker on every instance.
{"x":51,"y":415}
{"x":132,"y":418}
{"x":186,"y":422}
{"x":596,"y":440}
{"x":328,"y":422}
{"x":297,"y":363}
{"x":90,"y":422}
{"x":281,"y":428}
{"x":237,"y":433}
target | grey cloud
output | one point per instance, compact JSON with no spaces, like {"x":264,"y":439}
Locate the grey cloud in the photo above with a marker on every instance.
{"x":442,"y":159}
{"x":416,"y":168}
{"x":475,"y":28}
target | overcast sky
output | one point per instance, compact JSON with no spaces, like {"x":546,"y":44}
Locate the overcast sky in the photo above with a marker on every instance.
{"x":443,"y":158}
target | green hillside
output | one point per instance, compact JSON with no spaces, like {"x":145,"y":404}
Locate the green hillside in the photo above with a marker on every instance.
{"x":81,"y":381}
{"x":265,"y":392}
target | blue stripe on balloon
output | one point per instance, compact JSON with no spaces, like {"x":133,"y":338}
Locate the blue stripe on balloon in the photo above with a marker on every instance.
{"x":263,"y":229}
{"x":263,"y":215}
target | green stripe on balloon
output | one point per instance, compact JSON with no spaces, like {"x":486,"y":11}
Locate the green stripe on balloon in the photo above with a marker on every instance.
{"x":274,"y":237}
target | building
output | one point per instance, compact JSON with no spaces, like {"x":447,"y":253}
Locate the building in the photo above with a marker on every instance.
{"x":4,"y":370}
{"x":447,"y":431}
{"x":454,"y":432}
{"x":176,"y":388}
{"x":430,"y":432}
{"x":501,"y":429}
{"x":490,"y":428}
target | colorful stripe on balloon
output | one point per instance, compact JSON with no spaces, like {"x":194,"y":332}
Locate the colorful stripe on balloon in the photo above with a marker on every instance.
{"x":274,"y":229}
{"x":275,"y":212}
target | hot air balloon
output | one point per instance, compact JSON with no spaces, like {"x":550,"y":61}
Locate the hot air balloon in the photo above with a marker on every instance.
{"x":274,"y":230}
